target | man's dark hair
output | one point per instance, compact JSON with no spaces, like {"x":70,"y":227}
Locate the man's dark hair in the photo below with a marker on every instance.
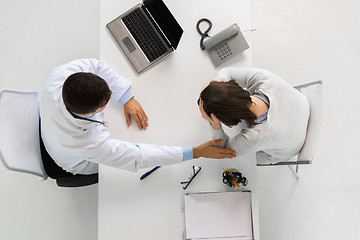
{"x":85,"y":92}
{"x":229,"y":102}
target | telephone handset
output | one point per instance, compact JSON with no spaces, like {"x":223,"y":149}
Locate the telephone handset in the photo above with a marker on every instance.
{"x":223,"y":45}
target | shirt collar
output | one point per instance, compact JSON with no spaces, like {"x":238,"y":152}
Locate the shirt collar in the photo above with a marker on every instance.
{"x":86,"y":116}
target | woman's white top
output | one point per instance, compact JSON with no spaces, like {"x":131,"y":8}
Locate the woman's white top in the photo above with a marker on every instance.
{"x":283,"y":134}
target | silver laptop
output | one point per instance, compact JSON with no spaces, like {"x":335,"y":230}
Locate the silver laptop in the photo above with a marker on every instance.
{"x":146,"y":33}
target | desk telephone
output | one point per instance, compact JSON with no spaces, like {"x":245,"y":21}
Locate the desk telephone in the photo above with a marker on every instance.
{"x":223,"y":45}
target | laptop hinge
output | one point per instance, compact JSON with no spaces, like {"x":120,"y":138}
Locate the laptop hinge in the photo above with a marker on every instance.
{"x":162,"y":35}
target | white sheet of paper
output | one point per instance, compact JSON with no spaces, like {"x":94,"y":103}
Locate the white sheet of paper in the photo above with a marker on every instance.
{"x":218,"y":215}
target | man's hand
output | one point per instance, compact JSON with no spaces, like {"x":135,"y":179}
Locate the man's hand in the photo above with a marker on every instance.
{"x":214,"y":122}
{"x":210,"y":149}
{"x":134,"y":109}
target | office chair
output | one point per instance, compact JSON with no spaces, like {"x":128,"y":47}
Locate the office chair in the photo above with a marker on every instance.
{"x":21,"y":146}
{"x":313,"y":92}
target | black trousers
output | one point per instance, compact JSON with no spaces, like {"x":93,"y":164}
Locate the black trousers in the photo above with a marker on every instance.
{"x":64,"y":178}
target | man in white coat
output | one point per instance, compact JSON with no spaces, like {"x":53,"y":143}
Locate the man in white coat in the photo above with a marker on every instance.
{"x":75,"y":135}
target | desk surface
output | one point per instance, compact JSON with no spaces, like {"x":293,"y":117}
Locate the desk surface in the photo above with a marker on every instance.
{"x":153,"y":208}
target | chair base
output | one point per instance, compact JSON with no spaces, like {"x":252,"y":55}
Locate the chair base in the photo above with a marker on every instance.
{"x":78,"y":180}
{"x":298,"y":162}
{"x":295,"y":172}
{"x":289,"y":164}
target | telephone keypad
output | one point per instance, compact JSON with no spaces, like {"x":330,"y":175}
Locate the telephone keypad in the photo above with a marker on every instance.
{"x":223,"y":51}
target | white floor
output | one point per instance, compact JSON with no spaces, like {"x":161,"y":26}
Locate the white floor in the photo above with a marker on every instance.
{"x":305,"y":41}
{"x":300,"y":40}
{"x":35,"y":37}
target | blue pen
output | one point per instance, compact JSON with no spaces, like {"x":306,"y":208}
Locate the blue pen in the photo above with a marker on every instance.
{"x":148,"y":173}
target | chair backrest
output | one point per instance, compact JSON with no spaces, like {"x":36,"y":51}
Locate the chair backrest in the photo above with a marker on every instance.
{"x":313,"y":92}
{"x":19,"y":129}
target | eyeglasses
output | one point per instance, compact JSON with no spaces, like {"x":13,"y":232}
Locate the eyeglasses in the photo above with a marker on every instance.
{"x":196,"y":170}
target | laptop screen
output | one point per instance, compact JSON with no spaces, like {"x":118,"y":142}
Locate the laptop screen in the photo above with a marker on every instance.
{"x":165,"y":20}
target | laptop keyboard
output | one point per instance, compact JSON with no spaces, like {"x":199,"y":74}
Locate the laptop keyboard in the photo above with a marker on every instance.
{"x":144,"y":34}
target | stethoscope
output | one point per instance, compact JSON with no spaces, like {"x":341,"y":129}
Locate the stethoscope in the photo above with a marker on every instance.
{"x":89,"y":120}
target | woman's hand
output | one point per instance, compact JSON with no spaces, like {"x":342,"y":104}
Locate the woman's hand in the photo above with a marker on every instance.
{"x":133,"y":108}
{"x":214,"y":122}
{"x":211,"y":149}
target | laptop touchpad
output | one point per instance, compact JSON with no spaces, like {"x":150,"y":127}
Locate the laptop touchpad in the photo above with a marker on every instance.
{"x":130,"y":47}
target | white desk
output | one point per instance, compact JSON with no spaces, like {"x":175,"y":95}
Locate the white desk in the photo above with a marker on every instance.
{"x":153,"y":208}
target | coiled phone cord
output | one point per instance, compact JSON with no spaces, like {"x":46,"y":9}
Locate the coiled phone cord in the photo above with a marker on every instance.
{"x":203,"y":34}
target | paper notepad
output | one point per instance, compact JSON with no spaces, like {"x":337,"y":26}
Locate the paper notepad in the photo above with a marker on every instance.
{"x":217,"y":216}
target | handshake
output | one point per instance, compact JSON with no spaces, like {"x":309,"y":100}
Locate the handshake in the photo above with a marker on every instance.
{"x":210,"y":149}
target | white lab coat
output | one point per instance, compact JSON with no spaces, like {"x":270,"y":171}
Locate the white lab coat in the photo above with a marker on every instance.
{"x":78,"y":146}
